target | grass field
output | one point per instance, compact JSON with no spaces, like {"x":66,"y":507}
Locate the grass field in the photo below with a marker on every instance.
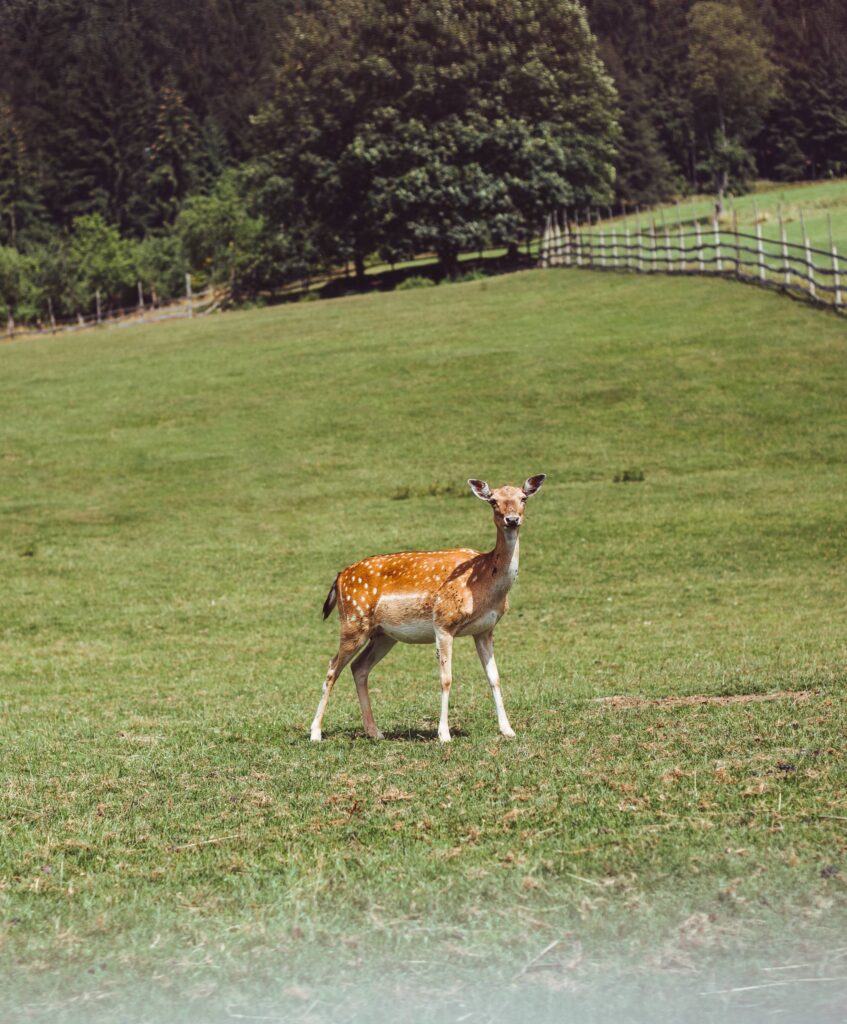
{"x":175,"y":503}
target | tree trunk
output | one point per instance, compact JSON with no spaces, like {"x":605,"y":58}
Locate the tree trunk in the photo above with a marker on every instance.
{"x":359,"y":260}
{"x":722,"y":182}
{"x":449,"y":259}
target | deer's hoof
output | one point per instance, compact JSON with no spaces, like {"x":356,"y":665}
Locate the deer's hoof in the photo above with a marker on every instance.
{"x":316,"y":736}
{"x":375,"y":735}
{"x":508,"y":733}
{"x":445,"y":737}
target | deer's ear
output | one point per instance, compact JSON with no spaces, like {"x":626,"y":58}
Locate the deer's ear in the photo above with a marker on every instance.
{"x":534,"y":484}
{"x":480,"y":489}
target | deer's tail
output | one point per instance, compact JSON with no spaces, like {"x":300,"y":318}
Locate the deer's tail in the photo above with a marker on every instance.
{"x":331,"y":598}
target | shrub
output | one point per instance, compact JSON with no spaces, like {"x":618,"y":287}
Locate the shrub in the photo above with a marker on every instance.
{"x":471,"y":275}
{"x":415,"y":282}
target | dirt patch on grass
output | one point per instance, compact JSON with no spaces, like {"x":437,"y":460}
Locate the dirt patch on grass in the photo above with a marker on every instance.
{"x":623,"y":702}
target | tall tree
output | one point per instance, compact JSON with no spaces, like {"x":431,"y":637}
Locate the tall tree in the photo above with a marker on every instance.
{"x":172,"y":158}
{"x":733,"y":83}
{"x":425,"y":123}
{"x":21,"y":209}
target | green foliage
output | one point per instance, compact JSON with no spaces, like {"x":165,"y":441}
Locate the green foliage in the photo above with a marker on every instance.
{"x":410,"y":283}
{"x":102,"y":261}
{"x":21,"y":210}
{"x":126,"y":104}
{"x":437,"y":134}
{"x":390,"y":128}
{"x":733,"y":81}
{"x":221,"y":241}
{"x":161,"y":265}
{"x":13,"y":281}
{"x":172,"y":161}
{"x":470,"y":275}
{"x":728,"y":165}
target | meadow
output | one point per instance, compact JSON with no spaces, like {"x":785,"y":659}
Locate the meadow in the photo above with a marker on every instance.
{"x":175,"y":503}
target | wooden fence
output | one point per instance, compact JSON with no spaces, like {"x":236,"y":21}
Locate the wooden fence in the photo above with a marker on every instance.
{"x":145,"y":312}
{"x":694,"y":247}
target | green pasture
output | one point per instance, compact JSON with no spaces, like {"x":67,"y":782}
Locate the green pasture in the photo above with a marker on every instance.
{"x":816,"y":205}
{"x":174,"y":504}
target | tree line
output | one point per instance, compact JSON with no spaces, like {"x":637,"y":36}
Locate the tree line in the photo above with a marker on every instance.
{"x":713,"y":93}
{"x":251,"y":141}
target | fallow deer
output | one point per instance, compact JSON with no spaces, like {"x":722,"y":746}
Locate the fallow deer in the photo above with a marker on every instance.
{"x":424,"y":597}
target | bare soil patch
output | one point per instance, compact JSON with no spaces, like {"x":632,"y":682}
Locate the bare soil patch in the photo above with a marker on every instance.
{"x":622,"y":702}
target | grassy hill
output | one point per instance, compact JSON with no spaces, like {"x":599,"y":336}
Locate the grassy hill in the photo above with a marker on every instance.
{"x":174,"y":503}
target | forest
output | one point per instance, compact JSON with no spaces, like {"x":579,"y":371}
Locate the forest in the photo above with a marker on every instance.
{"x":251,"y":142}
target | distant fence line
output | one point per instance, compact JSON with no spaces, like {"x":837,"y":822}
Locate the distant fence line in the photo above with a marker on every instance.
{"x":695,"y":248}
{"x":145,"y":312}
{"x":687,"y":247}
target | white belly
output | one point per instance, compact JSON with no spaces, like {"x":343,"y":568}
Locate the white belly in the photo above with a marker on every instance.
{"x":412,"y":631}
{"x":484,"y":624}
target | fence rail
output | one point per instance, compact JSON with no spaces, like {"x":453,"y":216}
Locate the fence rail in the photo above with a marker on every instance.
{"x":698,"y":248}
{"x":145,"y":312}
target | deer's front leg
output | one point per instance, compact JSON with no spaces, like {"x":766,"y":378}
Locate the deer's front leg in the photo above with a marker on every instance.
{"x":485,"y":650}
{"x":444,"y":653}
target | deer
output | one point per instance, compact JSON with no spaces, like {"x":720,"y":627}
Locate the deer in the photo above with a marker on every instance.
{"x":426,"y":597}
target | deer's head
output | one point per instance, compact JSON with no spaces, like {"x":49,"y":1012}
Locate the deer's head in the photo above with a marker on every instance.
{"x":508,"y":503}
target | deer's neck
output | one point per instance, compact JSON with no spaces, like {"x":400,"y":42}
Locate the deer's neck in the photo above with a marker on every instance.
{"x":504,"y":559}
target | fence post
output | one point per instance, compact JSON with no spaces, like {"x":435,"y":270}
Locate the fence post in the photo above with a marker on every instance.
{"x":810,"y":266}
{"x":627,"y":252}
{"x":590,"y":241}
{"x":682,"y":252}
{"x":666,"y":237}
{"x":759,"y":243}
{"x":189,"y":296}
{"x":699,"y":234}
{"x":554,"y":254}
{"x":719,"y":261}
{"x":547,"y":248}
{"x":654,"y":256}
{"x":559,"y":239}
{"x":10,"y":325}
{"x":737,"y":244}
{"x":567,"y":236}
{"x":638,"y":260}
{"x":551,"y":248}
{"x":97,"y":299}
{"x":786,"y":269}
{"x":577,"y":239}
{"x":52,"y":315}
{"x":836,"y":277}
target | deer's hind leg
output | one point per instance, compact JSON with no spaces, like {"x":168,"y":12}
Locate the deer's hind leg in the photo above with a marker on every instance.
{"x":375,"y":651}
{"x":352,"y":638}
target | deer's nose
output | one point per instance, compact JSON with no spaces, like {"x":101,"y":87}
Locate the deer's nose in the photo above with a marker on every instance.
{"x":512,"y":521}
